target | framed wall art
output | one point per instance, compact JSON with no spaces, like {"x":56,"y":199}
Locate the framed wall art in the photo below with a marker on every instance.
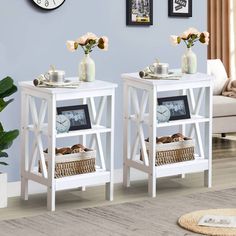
{"x":177,"y":105}
{"x":139,"y":12}
{"x":180,"y":8}
{"x":77,"y":115}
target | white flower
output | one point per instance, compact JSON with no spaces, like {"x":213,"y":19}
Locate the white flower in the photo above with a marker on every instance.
{"x":70,"y":45}
{"x":90,"y":35}
{"x":193,"y":31}
{"x":88,"y":42}
{"x":204,"y":37}
{"x":185,"y":34}
{"x":206,"y":34}
{"x":174,"y":40}
{"x":105,"y":41}
{"x":82,"y":40}
{"x":190,"y":31}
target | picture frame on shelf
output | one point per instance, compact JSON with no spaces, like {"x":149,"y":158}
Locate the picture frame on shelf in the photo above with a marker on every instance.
{"x":78,"y":116}
{"x":178,"y":106}
{"x":180,"y":8}
{"x":139,"y":12}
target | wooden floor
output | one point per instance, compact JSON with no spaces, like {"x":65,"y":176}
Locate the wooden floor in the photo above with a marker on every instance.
{"x":224,"y":176}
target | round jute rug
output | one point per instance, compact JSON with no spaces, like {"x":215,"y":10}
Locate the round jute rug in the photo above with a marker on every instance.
{"x":190,"y":221}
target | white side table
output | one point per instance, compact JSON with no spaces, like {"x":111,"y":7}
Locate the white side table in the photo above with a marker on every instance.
{"x":41,"y":121}
{"x":140,"y":112}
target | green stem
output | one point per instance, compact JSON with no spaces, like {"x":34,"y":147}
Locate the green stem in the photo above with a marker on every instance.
{"x":186,"y":44}
{"x":87,"y":49}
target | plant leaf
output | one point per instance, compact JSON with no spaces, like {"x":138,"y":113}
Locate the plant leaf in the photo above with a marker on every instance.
{"x":3,"y":163}
{"x":6,"y":84}
{"x":1,"y":127}
{"x":8,"y":92}
{"x":3,"y":103}
{"x":3,"y":154}
{"x":6,"y":138}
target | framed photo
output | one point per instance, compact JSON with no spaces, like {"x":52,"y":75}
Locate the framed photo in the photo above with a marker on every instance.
{"x":178,"y":107}
{"x":180,"y":8}
{"x":78,"y":116}
{"x":139,"y":12}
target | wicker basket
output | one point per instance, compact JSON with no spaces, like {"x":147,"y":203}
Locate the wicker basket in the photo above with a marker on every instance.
{"x":73,"y":164}
{"x":173,"y":152}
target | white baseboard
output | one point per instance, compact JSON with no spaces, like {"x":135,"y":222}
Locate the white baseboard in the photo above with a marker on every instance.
{"x":34,"y":188}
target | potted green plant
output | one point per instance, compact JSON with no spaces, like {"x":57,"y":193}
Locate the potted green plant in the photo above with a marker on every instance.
{"x":7,"y":88}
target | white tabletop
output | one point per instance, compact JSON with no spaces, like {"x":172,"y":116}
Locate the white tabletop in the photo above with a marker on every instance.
{"x":84,"y":86}
{"x":186,"y":78}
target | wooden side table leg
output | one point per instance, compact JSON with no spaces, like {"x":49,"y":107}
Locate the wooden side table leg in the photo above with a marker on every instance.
{"x":24,"y":145}
{"x":51,"y":198}
{"x":208,"y":141}
{"x":51,"y":151}
{"x":126,"y":176}
{"x":183,"y":131}
{"x":152,"y":143}
{"x":24,"y":188}
{"x":126,"y":136}
{"x":110,"y":145}
{"x":84,"y":142}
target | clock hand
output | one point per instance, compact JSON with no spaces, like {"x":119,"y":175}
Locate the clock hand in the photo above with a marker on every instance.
{"x":54,"y":2}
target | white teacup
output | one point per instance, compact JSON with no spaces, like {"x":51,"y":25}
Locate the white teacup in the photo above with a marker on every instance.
{"x":55,"y":76}
{"x":159,"y":68}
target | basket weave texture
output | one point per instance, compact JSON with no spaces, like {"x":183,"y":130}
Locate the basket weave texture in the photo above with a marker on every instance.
{"x":168,"y":153}
{"x":190,"y":222}
{"x":73,"y":164}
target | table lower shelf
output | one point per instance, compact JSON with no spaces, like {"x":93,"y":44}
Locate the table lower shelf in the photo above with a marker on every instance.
{"x":197,"y":165}
{"x":69,"y":182}
{"x":94,"y":178}
{"x":185,"y":167}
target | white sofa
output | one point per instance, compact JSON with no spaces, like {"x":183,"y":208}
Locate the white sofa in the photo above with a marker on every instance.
{"x":224,"y":108}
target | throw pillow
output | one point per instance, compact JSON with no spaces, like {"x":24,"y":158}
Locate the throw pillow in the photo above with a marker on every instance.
{"x":216,"y":68}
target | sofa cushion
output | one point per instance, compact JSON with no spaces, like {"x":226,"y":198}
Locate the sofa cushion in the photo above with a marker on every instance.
{"x":224,"y":106}
{"x":216,"y":68}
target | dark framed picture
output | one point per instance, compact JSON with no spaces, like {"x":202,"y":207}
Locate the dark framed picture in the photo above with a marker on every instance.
{"x":78,"y":116}
{"x":139,"y":12}
{"x":178,"y":107}
{"x":180,"y":8}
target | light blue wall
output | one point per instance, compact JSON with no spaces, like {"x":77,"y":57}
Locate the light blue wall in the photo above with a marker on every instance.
{"x":31,"y":40}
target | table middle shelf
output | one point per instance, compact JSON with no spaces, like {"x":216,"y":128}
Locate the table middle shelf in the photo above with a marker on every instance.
{"x":95,"y":129}
{"x":192,"y":120}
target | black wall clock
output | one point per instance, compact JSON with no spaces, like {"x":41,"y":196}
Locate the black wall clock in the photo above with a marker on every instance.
{"x":49,"y":4}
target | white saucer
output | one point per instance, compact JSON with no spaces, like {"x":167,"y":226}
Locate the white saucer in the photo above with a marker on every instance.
{"x":66,"y":82}
{"x":173,"y":75}
{"x":161,"y":76}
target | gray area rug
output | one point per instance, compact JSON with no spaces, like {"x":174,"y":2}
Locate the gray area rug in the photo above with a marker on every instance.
{"x":147,"y":218}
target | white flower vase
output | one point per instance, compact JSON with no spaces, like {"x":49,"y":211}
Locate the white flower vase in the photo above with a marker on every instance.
{"x":87,"y":69}
{"x":189,"y":62}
